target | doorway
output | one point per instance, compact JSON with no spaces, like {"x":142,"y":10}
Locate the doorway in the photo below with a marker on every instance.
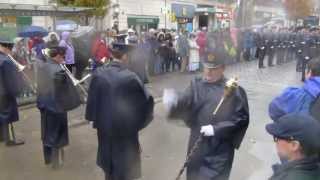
{"x":203,"y":21}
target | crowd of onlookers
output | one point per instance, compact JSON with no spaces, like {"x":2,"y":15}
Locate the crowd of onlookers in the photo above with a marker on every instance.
{"x":156,"y":52}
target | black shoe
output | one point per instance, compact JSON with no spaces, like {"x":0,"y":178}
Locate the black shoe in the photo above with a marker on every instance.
{"x":17,"y":142}
{"x":262,"y":67}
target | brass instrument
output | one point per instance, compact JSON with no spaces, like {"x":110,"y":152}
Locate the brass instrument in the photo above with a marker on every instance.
{"x":20,"y":69}
{"x":75,"y":81}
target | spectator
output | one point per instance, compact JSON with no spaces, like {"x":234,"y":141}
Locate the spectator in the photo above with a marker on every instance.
{"x":163,"y":52}
{"x":152,"y":43}
{"x":53,"y":40}
{"x":202,"y":43}
{"x":20,"y":53}
{"x":298,"y":99}
{"x":100,"y":50}
{"x":296,"y":137}
{"x":69,"y":56}
{"x":183,"y":49}
{"x":37,"y":44}
{"x":194,"y":54}
{"x":132,"y":37}
{"x":174,"y":59}
{"x":247,"y":44}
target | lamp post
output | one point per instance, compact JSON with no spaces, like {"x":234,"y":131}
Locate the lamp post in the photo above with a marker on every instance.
{"x":165,"y":15}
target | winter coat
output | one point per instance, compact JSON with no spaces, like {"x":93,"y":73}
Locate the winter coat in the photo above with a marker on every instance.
{"x":306,"y":169}
{"x":183,"y":46}
{"x":64,"y":42}
{"x":100,"y":50}
{"x":11,"y":85}
{"x":119,"y":107}
{"x":202,"y":42}
{"x":295,"y":99}
{"x":213,"y":159}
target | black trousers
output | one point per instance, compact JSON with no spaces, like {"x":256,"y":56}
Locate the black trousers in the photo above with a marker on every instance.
{"x":270,"y":58}
{"x":51,"y":155}
{"x":261,"y":58}
{"x":4,"y":132}
{"x":304,"y":69}
{"x":280,"y":57}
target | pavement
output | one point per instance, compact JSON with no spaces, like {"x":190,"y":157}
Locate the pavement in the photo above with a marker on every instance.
{"x":163,"y":144}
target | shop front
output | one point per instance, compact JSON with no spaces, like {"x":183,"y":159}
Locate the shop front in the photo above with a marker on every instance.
{"x":184,"y":15}
{"x":205,"y":17}
{"x":223,"y":18}
{"x":10,"y":25}
{"x":142,"y":23}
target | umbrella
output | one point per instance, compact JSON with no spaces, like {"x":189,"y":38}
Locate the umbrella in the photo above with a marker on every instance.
{"x":66,"y":25}
{"x":32,"y":31}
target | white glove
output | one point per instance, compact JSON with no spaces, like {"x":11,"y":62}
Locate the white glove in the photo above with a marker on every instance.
{"x":207,"y":130}
{"x":170,"y":98}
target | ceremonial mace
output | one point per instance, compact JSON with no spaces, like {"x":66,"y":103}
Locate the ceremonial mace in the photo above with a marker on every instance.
{"x":231,"y":85}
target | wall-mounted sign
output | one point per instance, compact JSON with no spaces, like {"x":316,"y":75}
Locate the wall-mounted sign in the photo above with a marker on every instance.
{"x":183,"y":10}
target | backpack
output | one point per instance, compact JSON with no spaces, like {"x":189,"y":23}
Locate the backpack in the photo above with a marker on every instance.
{"x":315,"y":109}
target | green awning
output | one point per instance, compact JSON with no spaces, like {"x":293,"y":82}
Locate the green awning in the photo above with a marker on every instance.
{"x":132,"y":20}
{"x":205,"y":10}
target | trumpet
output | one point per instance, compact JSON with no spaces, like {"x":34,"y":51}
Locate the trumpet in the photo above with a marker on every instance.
{"x":75,"y":81}
{"x":20,"y":69}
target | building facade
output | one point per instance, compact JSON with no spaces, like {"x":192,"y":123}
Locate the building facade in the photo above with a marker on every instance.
{"x":26,"y":20}
{"x":142,"y":15}
{"x":266,"y":11}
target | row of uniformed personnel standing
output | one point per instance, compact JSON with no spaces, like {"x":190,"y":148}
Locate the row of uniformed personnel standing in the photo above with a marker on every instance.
{"x":281,"y":46}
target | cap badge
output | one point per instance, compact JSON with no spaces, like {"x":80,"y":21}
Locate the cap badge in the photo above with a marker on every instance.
{"x":211,"y":58}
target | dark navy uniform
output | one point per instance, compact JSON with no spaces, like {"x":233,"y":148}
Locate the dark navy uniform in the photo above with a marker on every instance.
{"x":271,"y":47}
{"x":318,"y":45}
{"x":119,"y":107}
{"x":281,"y":48}
{"x":292,"y":47}
{"x":54,"y":121}
{"x":214,"y":158}
{"x":305,"y":54}
{"x":11,"y":85}
{"x":262,"y":42}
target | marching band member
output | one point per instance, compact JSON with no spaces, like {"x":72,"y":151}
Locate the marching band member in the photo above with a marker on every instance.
{"x":51,"y":91}
{"x":222,"y":131}
{"x":11,"y":85}
{"x":119,"y":107}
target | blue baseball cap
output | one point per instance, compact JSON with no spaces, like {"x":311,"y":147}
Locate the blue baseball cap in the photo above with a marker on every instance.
{"x":300,"y":127}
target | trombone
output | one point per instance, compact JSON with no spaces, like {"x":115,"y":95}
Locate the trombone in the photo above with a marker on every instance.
{"x":20,"y":69}
{"x":75,"y":81}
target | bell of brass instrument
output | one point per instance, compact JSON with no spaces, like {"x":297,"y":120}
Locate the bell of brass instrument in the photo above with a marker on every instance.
{"x":20,"y":69}
{"x":18,"y":65}
{"x":75,"y":81}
